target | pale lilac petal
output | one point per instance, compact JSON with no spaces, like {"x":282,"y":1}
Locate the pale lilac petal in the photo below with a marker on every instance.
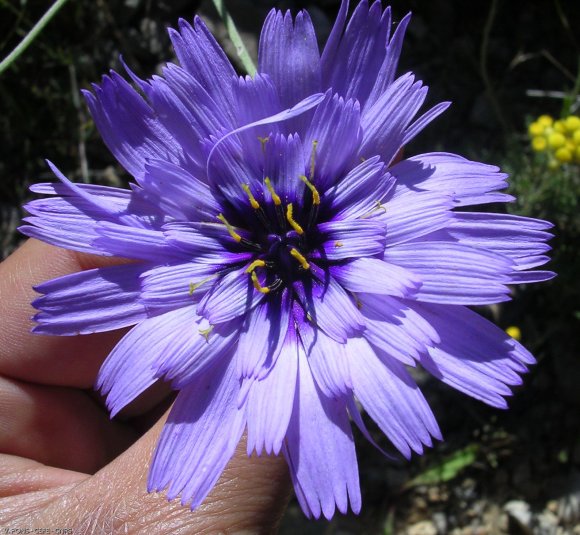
{"x":522,"y":239}
{"x":199,"y":437}
{"x":360,"y":53}
{"x":474,"y":355}
{"x":361,"y":191}
{"x":329,"y":361}
{"x":198,"y":347}
{"x":321,"y":299}
{"x":136,"y":243}
{"x":468,"y":182}
{"x":413,"y":214}
{"x":174,"y":286}
{"x":351,"y":239}
{"x":229,"y":297}
{"x":90,"y":301}
{"x":392,"y":399}
{"x":388,"y":69}
{"x":419,"y":124}
{"x":297,"y":74}
{"x":129,"y":126}
{"x":203,"y":58}
{"x":262,"y":336}
{"x":283,"y":165}
{"x":385,"y":123}
{"x":334,"y":135}
{"x":271,"y":400}
{"x":453,"y":273}
{"x":128,"y":370}
{"x":320,"y":449}
{"x":376,"y":276}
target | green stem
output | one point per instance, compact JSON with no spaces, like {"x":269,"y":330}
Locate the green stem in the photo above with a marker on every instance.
{"x":235,"y":37}
{"x":31,"y":35}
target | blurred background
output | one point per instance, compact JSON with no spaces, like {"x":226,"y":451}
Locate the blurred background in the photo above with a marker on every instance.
{"x":503,"y":64}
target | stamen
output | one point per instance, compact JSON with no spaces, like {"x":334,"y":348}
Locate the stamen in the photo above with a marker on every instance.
{"x":206,"y":332}
{"x":253,"y":202}
{"x":290,"y":219}
{"x":195,"y":285}
{"x":257,"y":285}
{"x":230,"y":228}
{"x":338,"y":243}
{"x":378,"y":206}
{"x":313,"y":159}
{"x":263,"y":141}
{"x":275,"y":197}
{"x":315,"y":194}
{"x":255,"y":264}
{"x":300,"y":257}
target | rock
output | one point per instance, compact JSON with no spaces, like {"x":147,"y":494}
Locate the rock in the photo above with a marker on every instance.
{"x":519,"y":512}
{"x":440,"y":523}
{"x":426,"y":527}
{"x":546,"y":524}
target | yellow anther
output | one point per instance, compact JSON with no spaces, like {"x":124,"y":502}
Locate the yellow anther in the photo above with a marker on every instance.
{"x":313,"y":159}
{"x":257,"y":285}
{"x":263,"y":141}
{"x":315,"y":194}
{"x":195,"y":285}
{"x":378,"y":206}
{"x":230,"y":228}
{"x":275,"y":197}
{"x":338,"y":244}
{"x":255,"y":264}
{"x":206,"y":332}
{"x":293,"y":224}
{"x":255,"y":204}
{"x":300,"y":257}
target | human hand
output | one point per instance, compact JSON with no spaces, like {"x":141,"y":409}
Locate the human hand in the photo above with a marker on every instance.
{"x":64,"y":465}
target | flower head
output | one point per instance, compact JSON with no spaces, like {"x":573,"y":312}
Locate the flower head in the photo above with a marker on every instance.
{"x":285,"y":264}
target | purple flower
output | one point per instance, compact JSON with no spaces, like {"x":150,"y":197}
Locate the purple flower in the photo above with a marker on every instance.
{"x":285,"y":264}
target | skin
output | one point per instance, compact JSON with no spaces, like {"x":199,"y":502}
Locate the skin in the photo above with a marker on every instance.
{"x":65,"y":464}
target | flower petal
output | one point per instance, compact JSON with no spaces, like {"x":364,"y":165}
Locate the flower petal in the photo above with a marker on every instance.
{"x":320,"y":450}
{"x":263,"y":335}
{"x":360,"y":53}
{"x":361,"y":191}
{"x":351,"y":239}
{"x":413,"y":214}
{"x":329,"y":306}
{"x":129,"y":126}
{"x":202,"y":57}
{"x":453,"y":273}
{"x":288,"y":53}
{"x":376,"y":276}
{"x":165,"y":288}
{"x":392,"y":399}
{"x":128,"y":370}
{"x":90,"y":301}
{"x":229,"y":297}
{"x":328,"y":360}
{"x":270,"y":400}
{"x":332,"y":139}
{"x":199,"y":437}
{"x":386,"y":121}
{"x":474,"y":355}
{"x":468,"y":182}
{"x":522,"y":239}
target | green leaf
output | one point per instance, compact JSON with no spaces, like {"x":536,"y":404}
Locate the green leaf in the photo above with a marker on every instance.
{"x":447,"y":469}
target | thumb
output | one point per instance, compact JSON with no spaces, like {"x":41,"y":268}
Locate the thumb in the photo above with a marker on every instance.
{"x":250,"y":496}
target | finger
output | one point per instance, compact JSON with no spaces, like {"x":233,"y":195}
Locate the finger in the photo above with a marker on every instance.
{"x":250,"y":496}
{"x":67,"y":361}
{"x":59,"y":427}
